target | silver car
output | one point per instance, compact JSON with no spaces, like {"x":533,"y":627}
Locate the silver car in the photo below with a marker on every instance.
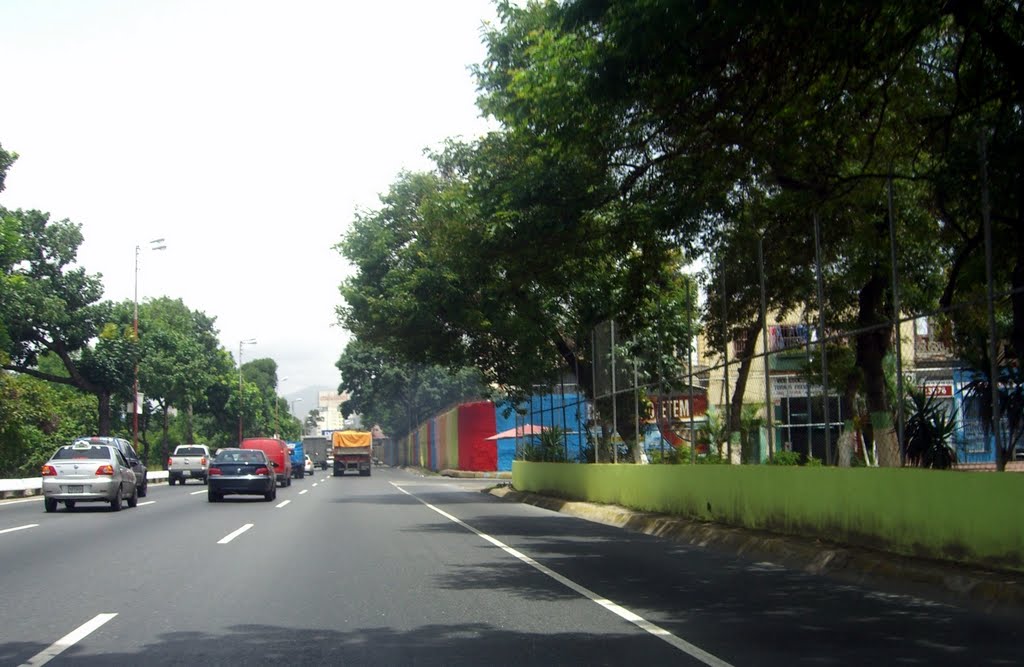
{"x":87,"y":473}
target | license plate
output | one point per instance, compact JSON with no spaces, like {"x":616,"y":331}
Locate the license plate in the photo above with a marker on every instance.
{"x":76,"y":488}
{"x":186,"y":473}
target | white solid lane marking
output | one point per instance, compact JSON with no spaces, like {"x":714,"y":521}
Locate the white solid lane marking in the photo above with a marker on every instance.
{"x":11,"y":530}
{"x":148,"y":502}
{"x":303,"y":491}
{"x":231,"y":536}
{"x":67,"y":641}
{"x":33,"y":499}
{"x":659,"y":632}
{"x":196,"y":493}
{"x":315,"y":483}
{"x":282,"y":503}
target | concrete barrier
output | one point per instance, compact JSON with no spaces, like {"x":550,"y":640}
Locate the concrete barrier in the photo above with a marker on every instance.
{"x":961,"y":517}
{"x":33,"y":486}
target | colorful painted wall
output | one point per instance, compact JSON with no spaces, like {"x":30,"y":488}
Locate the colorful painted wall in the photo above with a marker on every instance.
{"x":458,"y":439}
{"x":569,"y":412}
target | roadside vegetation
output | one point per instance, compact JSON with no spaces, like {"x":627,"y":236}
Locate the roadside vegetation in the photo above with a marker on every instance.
{"x":68,"y":358}
{"x":642,"y":153}
{"x":632,"y":141}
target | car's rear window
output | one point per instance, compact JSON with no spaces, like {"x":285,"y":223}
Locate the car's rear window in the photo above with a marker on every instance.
{"x":241,"y":456}
{"x":190,"y":451}
{"x":79,"y":452}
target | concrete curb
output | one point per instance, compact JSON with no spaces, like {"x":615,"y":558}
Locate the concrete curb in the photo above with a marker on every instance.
{"x":987,"y":591}
{"x":472,"y":474}
{"x":33,"y":486}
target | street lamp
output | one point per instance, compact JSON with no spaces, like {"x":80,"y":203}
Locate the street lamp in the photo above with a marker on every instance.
{"x":155,"y":244}
{"x":277,"y":422}
{"x":241,"y":396}
{"x":302,"y":426}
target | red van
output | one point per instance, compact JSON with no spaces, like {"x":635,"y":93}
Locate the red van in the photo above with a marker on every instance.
{"x":277,"y":453}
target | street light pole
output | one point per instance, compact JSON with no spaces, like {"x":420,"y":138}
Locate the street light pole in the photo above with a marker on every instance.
{"x":135,"y":329}
{"x":241,"y":396}
{"x":277,"y":421}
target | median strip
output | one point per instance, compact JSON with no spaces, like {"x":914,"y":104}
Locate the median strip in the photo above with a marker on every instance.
{"x":11,"y":530}
{"x":227,"y":538}
{"x":67,"y":641}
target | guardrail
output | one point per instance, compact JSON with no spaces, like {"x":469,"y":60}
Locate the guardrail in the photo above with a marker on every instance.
{"x":33,"y":486}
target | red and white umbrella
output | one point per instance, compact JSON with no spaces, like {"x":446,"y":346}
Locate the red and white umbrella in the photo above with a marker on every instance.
{"x":518,"y":432}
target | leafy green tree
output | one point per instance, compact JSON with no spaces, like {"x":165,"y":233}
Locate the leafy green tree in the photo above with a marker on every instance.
{"x":51,"y":305}
{"x":7,"y":159}
{"x":180,"y":360}
{"x":311,"y":424}
{"x":398,"y":395}
{"x":216,"y":413}
{"x":37,"y":417}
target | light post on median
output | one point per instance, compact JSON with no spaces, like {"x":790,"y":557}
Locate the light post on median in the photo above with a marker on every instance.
{"x":241,"y":396}
{"x":155,"y":244}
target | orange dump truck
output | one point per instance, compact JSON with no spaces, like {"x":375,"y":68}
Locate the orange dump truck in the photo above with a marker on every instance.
{"x":352,"y":450}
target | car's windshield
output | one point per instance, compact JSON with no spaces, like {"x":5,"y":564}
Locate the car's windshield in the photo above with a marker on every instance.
{"x":80,"y":452}
{"x":190,"y":451}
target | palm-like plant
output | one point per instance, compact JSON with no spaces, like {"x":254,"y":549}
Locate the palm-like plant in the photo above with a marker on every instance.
{"x":928,"y":432}
{"x":547,"y":446}
{"x":1010,"y":392}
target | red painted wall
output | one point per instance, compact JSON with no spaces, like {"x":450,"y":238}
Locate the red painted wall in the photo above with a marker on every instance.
{"x":476,"y":423}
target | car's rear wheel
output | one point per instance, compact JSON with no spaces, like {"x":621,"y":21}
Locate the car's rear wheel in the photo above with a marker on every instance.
{"x":213,"y":497}
{"x":115,"y":504}
{"x":144,"y":489}
{"x":49,"y":504}
{"x":70,"y":504}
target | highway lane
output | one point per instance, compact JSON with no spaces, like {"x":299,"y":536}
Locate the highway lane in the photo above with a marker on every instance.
{"x":401,"y":569}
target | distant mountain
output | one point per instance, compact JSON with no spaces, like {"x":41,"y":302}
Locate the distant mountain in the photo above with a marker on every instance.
{"x":310,"y":397}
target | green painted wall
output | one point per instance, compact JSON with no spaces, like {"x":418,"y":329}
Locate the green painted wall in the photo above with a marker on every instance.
{"x":965,"y":517}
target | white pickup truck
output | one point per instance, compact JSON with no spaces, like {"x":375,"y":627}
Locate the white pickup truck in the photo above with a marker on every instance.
{"x":188,"y":462}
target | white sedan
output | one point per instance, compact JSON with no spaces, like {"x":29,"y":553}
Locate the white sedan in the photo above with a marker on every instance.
{"x":309,"y":465}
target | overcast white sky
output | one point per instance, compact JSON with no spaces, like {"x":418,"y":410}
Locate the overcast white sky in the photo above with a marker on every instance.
{"x":244,"y":132}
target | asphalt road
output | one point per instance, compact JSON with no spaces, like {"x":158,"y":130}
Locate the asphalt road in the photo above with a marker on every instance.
{"x":398,"y":569}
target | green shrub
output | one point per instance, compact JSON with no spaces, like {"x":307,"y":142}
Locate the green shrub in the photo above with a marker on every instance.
{"x":784,"y":458}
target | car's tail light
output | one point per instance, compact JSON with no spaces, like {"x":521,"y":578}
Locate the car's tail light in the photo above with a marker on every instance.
{"x":49,"y":471}
{"x":262,"y":471}
{"x":202,"y":461}
{"x":105,"y":470}
{"x":168,"y":461}
{"x":213,"y":472}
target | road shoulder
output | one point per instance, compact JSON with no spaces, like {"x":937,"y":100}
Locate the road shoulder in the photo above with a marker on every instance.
{"x":989,"y":591}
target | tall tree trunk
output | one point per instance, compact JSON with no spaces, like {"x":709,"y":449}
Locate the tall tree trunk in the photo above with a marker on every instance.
{"x":848,"y":438}
{"x":189,"y":435}
{"x":104,"y":412}
{"x":872,"y":346}
{"x":746,"y":360}
{"x":165,"y":438}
